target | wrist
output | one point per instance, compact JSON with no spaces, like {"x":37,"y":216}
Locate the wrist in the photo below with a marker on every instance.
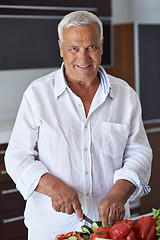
{"x":122,"y":190}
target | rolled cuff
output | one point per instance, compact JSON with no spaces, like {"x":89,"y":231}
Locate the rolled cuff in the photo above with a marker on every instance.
{"x":30,"y":178}
{"x":141,"y":187}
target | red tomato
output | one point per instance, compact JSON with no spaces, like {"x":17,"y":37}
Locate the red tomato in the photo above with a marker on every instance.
{"x":104,"y":229}
{"x":100,"y":234}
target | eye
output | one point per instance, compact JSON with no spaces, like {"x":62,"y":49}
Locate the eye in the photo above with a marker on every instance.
{"x":92,"y":48}
{"x":73,"y":49}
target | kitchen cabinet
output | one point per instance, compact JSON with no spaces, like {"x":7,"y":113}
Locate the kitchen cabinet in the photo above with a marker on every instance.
{"x":123,"y":66}
{"x":132,"y":61}
{"x":54,"y":7}
{"x":11,"y":205}
{"x":152,"y":200}
{"x":29,"y":38}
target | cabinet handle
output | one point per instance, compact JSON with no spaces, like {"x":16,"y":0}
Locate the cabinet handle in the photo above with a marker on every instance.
{"x":2,"y":152}
{"x":14,"y":219}
{"x":13,"y":190}
{"x":3,"y":172}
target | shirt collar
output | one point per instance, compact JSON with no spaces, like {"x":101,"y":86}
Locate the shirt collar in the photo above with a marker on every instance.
{"x":61,"y":83}
{"x":105,"y":82}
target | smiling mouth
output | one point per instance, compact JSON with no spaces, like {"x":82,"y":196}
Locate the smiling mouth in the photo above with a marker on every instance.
{"x":83,"y":66}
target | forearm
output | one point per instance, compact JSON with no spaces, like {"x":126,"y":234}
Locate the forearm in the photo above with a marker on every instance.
{"x":47,"y":184}
{"x":122,"y":190}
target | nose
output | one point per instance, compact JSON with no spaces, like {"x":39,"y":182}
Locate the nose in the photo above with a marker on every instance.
{"x":83,"y":57}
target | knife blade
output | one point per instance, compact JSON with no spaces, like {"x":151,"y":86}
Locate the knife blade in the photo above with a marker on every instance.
{"x":87,"y":219}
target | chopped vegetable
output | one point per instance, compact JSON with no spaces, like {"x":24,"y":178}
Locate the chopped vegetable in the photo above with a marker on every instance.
{"x":95,"y":225}
{"x":70,"y":236}
{"x":86,"y":229}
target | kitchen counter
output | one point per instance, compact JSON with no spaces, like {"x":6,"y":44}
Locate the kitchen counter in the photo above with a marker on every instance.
{"x":6,"y":127}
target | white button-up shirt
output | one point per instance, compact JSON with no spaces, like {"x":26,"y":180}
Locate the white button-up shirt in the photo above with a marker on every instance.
{"x":52,"y":134}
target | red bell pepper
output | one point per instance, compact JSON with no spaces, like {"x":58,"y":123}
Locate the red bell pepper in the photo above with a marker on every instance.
{"x":146,"y":228}
{"x":129,"y":221}
{"x":122,"y":230}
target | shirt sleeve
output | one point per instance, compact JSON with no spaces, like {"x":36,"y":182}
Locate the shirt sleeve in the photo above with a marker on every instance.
{"x":137,"y":156}
{"x":21,"y":158}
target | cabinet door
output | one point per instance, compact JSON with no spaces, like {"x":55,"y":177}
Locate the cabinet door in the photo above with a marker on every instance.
{"x":4,"y":177}
{"x":152,"y":200}
{"x":2,"y":152}
{"x":55,"y":7}
{"x":123,"y":66}
{"x":12,"y":225}
{"x":10,"y":198}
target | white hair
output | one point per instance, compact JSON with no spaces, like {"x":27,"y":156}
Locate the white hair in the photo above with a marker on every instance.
{"x":78,"y":18}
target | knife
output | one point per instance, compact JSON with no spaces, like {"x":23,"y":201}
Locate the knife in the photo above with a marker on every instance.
{"x":87,"y":219}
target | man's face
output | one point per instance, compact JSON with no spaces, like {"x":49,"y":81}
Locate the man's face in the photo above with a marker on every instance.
{"x":81,"y":52}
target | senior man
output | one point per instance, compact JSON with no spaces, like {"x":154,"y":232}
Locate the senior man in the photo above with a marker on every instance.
{"x":78,"y":144}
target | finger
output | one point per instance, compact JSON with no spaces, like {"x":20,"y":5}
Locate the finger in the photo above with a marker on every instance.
{"x":104,"y":220}
{"x":110,"y":222}
{"x":69,"y":209}
{"x":62,"y":209}
{"x":122,"y":213}
{"x":78,"y":211}
{"x":103,"y":215}
{"x":112,"y":217}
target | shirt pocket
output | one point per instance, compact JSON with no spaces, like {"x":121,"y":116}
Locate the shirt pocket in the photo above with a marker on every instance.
{"x":114,"y":138}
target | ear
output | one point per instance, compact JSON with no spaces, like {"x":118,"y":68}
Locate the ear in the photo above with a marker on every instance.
{"x":60,"y":48}
{"x":102,"y":46}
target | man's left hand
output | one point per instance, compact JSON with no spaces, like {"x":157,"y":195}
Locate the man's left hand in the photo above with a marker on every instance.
{"x":110,"y":211}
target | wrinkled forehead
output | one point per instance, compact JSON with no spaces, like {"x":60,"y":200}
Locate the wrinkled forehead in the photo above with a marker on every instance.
{"x":82,"y":31}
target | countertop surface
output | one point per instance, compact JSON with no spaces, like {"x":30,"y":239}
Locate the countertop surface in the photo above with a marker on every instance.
{"x":6,"y":127}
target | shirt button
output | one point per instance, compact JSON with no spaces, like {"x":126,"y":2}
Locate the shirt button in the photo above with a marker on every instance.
{"x":85,"y":127}
{"x":87,"y":172}
{"x":85,"y":149}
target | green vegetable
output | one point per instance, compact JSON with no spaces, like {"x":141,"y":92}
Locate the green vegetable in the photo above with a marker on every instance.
{"x":86,"y":229}
{"x":96,"y":225}
{"x":156,"y":214}
{"x":73,"y":238}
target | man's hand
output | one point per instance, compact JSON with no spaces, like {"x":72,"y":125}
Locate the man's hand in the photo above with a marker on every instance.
{"x":110,"y":211}
{"x":64,"y":198}
{"x":111,"y":208}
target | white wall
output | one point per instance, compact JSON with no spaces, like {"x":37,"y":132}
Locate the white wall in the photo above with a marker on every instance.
{"x":141,"y":11}
{"x":144,"y":11}
{"x":120,"y":11}
{"x":12,"y":85}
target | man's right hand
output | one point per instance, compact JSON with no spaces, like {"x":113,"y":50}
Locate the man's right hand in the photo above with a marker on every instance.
{"x":64,"y":198}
